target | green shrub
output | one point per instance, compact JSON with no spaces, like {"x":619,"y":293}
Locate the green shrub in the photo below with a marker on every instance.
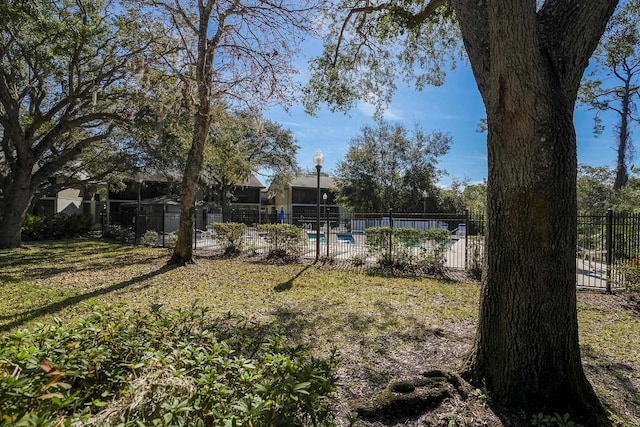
{"x":475,"y":254}
{"x":33,"y":227}
{"x":173,"y":240}
{"x":404,"y":248}
{"x":230,"y":235}
{"x":358,"y":260}
{"x":630,"y":272}
{"x":119,"y":233}
{"x":59,"y":226}
{"x":170,"y":369}
{"x":284,"y":240}
{"x":555,"y":420}
{"x":431,"y":259}
{"x":149,"y":238}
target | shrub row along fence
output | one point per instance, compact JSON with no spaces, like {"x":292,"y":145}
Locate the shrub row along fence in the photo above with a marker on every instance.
{"x":409,"y":240}
{"x":607,"y":250}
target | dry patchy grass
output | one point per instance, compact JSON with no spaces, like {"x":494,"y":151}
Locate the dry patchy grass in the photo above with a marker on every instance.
{"x":384,"y":327}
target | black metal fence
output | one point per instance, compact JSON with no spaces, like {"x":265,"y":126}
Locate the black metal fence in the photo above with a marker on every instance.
{"x":607,"y":244}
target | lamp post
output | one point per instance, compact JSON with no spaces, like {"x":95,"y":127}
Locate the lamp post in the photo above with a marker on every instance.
{"x":139,"y":180}
{"x":424,"y":203}
{"x":318,"y":161}
{"x":326,"y":220}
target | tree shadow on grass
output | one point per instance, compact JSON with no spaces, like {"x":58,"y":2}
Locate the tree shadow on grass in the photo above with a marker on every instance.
{"x":53,"y":258}
{"x":26,"y":316}
{"x":614,"y":375}
{"x":285,"y":286}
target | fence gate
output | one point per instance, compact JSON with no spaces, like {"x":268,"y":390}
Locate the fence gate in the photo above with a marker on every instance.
{"x":606,"y":245}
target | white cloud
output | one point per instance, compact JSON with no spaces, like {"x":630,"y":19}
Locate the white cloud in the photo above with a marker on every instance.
{"x":369,"y":110}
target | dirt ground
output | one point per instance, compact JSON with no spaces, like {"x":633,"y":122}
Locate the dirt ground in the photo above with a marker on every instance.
{"x":410,"y":354}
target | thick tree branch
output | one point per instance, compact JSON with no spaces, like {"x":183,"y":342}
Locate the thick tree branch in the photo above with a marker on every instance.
{"x":474,"y":25}
{"x":567,"y":36}
{"x":50,"y":167}
{"x":426,"y":12}
{"x":51,"y":137}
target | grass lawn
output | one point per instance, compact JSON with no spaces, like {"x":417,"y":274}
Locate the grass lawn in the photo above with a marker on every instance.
{"x":384,"y":327}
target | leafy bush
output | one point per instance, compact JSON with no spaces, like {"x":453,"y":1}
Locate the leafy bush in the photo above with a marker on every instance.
{"x":231,"y":236}
{"x":170,"y":369}
{"x":59,"y":226}
{"x":149,"y":238}
{"x":358,"y":260}
{"x":119,"y":233}
{"x":173,"y":240}
{"x":403,"y":248}
{"x":476,"y":256}
{"x":630,"y":272}
{"x":285,"y":240}
{"x":555,"y":420}
{"x":34,"y":227}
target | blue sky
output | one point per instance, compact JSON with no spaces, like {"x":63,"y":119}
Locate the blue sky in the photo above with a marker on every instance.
{"x":455,"y":107}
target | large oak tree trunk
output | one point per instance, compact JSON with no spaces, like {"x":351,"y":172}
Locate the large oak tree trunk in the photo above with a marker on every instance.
{"x":526,"y":347}
{"x":528,"y":65}
{"x":17,"y":199}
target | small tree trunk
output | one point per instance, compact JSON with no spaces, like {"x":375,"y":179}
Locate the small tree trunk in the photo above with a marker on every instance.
{"x":183,"y":251}
{"x":622,"y":176}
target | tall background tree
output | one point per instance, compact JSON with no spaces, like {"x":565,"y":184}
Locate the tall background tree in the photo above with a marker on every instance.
{"x":67,"y":82}
{"x":595,"y":189}
{"x":247,"y":144}
{"x":613,"y":85}
{"x":596,"y":193}
{"x":237,"y":52}
{"x":389,"y":167}
{"x":528,"y":60}
{"x":463,"y":195}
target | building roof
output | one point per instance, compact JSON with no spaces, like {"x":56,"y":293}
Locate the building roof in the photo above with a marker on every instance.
{"x":311,"y":181}
{"x":252,"y":181}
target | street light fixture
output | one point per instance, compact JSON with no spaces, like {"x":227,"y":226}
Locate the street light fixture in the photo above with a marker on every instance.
{"x":424,"y":203}
{"x":318,"y":161}
{"x":326,"y":220}
{"x":139,"y":180}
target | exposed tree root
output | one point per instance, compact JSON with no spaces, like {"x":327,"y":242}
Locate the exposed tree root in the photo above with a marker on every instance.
{"x":412,"y":397}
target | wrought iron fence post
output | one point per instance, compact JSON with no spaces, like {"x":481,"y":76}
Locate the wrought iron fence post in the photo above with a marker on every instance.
{"x":390,"y":231}
{"x":164,"y":215}
{"x":466,"y":238}
{"x":609,"y":243}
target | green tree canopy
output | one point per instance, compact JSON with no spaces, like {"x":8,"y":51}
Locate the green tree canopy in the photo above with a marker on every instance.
{"x":245,"y":143}
{"x":388,"y":166}
{"x":68,"y":81}
{"x":595,"y":189}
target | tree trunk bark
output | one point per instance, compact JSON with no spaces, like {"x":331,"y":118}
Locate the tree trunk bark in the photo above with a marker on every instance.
{"x":183,"y":251}
{"x":16,"y":203}
{"x":622,"y":176}
{"x":526,"y":349}
{"x":528,"y":63}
